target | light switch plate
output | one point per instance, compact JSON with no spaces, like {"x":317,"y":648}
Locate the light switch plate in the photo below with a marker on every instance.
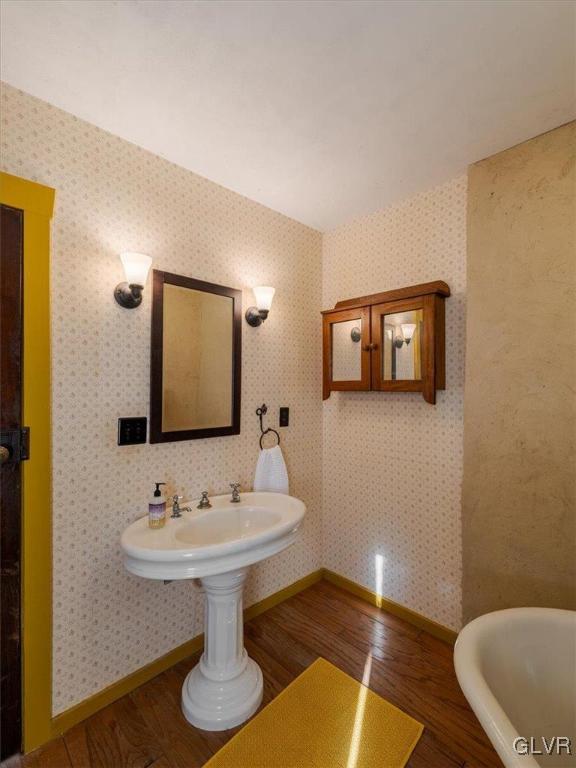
{"x":132,"y":431}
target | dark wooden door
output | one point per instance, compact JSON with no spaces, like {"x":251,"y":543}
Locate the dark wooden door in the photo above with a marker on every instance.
{"x":11,"y":242}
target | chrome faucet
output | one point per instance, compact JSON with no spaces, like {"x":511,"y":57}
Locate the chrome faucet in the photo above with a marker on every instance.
{"x":176,"y":508}
{"x":204,"y":501}
{"x":235,"y":493}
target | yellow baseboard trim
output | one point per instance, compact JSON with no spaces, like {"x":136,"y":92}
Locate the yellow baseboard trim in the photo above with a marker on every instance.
{"x":283,"y":594}
{"x":70,"y":717}
{"x":412,"y":617}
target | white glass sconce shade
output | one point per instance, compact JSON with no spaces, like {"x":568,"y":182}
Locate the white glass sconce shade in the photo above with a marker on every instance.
{"x":408,"y":331}
{"x":136,"y":268}
{"x":263,"y":294}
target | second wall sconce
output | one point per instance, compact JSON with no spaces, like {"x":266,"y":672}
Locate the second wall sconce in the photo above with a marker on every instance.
{"x":263,"y":294}
{"x":136,"y":268}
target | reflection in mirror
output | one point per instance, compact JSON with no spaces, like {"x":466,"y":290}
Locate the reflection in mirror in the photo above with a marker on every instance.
{"x":347,"y":350}
{"x":402,"y":345}
{"x":197,"y":365}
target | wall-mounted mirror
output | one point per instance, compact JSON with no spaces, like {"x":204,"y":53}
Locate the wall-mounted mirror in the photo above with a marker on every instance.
{"x":195,"y":359}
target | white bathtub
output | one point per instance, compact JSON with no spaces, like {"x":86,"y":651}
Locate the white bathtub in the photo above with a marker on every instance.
{"x":517,"y":668}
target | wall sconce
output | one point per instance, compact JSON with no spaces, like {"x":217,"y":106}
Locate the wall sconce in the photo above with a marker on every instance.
{"x":263,"y":294}
{"x":136,"y":267}
{"x":404,"y":336}
{"x":408,"y":331}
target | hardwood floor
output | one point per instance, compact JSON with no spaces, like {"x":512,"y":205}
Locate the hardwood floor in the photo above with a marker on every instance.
{"x":410,"y":668}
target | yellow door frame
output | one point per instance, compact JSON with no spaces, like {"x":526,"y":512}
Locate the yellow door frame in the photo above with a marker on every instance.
{"x":37,"y":202}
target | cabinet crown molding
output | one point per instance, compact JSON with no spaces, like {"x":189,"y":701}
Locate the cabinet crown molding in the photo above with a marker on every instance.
{"x":438,"y":287}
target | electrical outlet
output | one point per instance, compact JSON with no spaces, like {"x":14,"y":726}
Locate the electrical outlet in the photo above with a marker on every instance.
{"x":132,"y":431}
{"x":284,"y":417}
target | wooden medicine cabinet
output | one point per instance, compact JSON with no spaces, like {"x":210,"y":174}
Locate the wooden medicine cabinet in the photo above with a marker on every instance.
{"x":388,"y":342}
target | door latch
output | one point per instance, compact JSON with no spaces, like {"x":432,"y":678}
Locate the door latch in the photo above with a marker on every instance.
{"x":16,"y":445}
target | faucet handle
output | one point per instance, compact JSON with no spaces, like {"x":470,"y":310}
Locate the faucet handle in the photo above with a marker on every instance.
{"x":176,"y":511}
{"x":235,"y":486}
{"x":204,"y":502}
{"x":235,"y":494}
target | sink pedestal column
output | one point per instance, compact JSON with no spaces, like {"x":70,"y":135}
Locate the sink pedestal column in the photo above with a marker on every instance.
{"x":225,"y":688}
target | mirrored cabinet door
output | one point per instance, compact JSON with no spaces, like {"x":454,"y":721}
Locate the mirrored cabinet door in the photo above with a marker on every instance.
{"x":401,"y":334}
{"x":347,"y":350}
{"x":403,"y":345}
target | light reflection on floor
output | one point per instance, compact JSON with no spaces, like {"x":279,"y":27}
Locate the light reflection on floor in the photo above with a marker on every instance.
{"x":379,"y":568}
{"x":359,"y":717}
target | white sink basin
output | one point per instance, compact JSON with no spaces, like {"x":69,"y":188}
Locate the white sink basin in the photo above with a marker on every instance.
{"x":217,"y":546}
{"x":210,"y":541}
{"x":517,"y":668}
{"x":229,"y":524}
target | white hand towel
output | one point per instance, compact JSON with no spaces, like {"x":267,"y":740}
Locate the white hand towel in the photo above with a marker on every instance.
{"x":271,"y":473}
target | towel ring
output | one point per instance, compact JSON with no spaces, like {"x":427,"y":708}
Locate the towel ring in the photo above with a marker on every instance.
{"x":260,"y":412}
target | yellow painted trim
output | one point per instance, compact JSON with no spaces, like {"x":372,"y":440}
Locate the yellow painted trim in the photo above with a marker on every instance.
{"x":412,"y":617}
{"x":26,"y":195}
{"x":84,"y":709}
{"x":37,"y":203}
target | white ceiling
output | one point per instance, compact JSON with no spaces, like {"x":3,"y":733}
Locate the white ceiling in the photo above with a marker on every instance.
{"x":320,"y":109}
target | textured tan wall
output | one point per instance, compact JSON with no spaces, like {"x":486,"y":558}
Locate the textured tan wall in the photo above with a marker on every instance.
{"x":113,"y":196}
{"x":519,"y":492}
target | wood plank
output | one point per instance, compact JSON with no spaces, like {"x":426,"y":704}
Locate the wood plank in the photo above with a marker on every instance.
{"x":333,"y":593}
{"x":404,"y":652}
{"x":115,"y":737}
{"x":182,"y":746}
{"x":430,"y":752}
{"x":293,"y":656}
{"x":52,"y":755}
{"x":161,"y":763}
{"x":276,"y":676}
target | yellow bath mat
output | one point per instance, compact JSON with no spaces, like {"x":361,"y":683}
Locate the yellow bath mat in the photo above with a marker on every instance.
{"x":323,"y":719}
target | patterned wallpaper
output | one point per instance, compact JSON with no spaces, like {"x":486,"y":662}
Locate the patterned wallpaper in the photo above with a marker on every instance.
{"x":387,"y":468}
{"x":113,"y":196}
{"x":392,"y":464}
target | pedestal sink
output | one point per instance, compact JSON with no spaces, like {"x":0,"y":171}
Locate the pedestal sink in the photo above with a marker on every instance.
{"x":217,"y":546}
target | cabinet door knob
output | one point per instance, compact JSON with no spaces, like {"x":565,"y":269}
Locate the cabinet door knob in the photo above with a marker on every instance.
{"x":366,"y":348}
{"x":373,"y":346}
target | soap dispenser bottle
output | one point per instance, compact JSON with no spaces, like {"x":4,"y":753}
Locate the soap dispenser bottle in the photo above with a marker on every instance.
{"x":157,"y":508}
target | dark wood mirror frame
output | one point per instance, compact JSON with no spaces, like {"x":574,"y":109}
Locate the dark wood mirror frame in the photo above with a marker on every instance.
{"x":157,"y":435}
